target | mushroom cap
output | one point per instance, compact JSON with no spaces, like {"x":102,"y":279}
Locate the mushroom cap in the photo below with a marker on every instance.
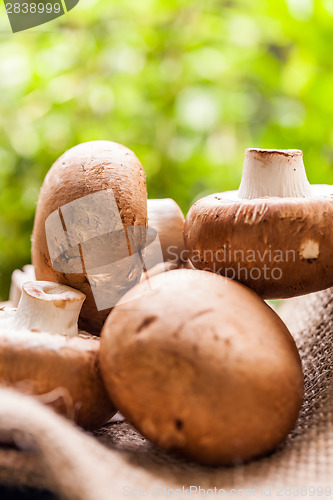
{"x":202,"y":366}
{"x":86,"y":169}
{"x":280,"y":247}
{"x":39,"y":363}
{"x":162,"y":267}
{"x":166,"y":217}
{"x":18,"y":279}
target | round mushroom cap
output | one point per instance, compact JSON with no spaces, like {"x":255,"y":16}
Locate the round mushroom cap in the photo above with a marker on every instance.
{"x":166,"y":217}
{"x":63,"y":371}
{"x":279,"y":247}
{"x":201,"y":366}
{"x":87,"y":169}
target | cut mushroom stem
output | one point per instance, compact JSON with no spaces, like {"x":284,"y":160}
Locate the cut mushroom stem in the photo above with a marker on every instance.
{"x":49,"y":307}
{"x":273,"y":172}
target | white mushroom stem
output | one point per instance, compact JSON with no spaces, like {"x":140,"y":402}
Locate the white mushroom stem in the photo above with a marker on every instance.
{"x":273,"y":172}
{"x":49,"y":307}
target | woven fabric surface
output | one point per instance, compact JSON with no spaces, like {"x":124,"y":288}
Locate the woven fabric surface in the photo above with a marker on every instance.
{"x":117,"y":462}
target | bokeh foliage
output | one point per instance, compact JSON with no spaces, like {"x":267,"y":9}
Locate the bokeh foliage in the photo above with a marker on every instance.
{"x":186,"y":84}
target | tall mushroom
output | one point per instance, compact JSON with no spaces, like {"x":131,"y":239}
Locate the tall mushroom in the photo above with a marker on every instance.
{"x":91,"y":198}
{"x":43,"y":353}
{"x":274,"y":234}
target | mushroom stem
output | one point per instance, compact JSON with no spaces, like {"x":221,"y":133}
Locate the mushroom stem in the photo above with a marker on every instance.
{"x":273,"y":172}
{"x":49,"y":307}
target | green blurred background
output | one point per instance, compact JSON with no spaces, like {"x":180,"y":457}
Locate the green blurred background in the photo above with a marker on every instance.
{"x":186,"y":84}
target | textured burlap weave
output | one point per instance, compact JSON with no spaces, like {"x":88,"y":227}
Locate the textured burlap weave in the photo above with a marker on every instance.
{"x":54,"y":454}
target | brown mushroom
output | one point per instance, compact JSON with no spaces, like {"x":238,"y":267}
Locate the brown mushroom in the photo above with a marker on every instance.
{"x":165,"y":248}
{"x":42,"y":353}
{"x":274,"y":234}
{"x":200,"y":365}
{"x":165,"y":216}
{"x":90,"y":199}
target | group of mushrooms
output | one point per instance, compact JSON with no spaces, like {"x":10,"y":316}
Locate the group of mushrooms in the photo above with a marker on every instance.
{"x":195,"y":361}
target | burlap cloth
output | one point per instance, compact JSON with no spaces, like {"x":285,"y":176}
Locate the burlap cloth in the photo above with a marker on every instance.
{"x":117,"y":462}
